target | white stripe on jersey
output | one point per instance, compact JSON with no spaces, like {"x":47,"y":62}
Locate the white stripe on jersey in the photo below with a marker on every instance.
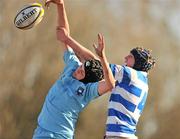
{"x":119,"y":107}
{"x":120,"y":134}
{"x":116,"y":120}
{"x":118,"y":73}
{"x":126,"y":95}
{"x":136,"y":82}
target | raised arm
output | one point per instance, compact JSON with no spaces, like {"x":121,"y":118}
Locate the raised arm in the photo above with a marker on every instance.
{"x":109,"y":82}
{"x":62,"y":17}
{"x":82,"y":52}
{"x":62,"y":20}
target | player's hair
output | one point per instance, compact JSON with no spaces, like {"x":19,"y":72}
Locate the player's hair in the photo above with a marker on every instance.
{"x":93,"y":71}
{"x":143,"y":59}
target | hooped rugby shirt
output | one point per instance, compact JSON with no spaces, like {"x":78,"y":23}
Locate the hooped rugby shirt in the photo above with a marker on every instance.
{"x":127,"y":101}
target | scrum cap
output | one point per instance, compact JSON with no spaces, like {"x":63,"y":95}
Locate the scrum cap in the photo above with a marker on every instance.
{"x":93,"y":71}
{"x":143,"y":59}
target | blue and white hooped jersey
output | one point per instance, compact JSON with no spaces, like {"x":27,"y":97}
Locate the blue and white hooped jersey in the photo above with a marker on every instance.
{"x":126,"y":101}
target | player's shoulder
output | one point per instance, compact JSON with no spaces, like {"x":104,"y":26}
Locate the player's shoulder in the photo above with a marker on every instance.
{"x":135,"y":75}
{"x":70,"y":58}
{"x":115,"y":67}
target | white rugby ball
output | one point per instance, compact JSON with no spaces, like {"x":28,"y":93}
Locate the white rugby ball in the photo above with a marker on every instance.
{"x":29,"y":16}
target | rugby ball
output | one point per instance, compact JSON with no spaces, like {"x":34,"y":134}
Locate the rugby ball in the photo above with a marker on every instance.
{"x":29,"y":16}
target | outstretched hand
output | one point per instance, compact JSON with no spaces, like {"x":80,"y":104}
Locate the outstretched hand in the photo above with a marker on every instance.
{"x":47,"y":2}
{"x":101,"y":46}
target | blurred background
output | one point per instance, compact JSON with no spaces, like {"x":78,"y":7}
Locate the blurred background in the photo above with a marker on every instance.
{"x":31,"y":61}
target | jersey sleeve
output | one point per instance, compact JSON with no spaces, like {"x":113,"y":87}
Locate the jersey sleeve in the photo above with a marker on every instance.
{"x":116,"y":69}
{"x":91,"y":91}
{"x":70,"y":57}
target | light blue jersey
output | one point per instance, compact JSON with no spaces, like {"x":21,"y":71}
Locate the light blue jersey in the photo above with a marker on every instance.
{"x":126,"y":102}
{"x":65,"y":100}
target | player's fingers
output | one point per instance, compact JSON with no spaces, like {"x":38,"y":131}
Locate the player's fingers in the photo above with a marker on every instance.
{"x":95,"y":46}
{"x":99,"y":37}
{"x":100,"y":41}
{"x":103,"y":42}
{"x":47,"y":3}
